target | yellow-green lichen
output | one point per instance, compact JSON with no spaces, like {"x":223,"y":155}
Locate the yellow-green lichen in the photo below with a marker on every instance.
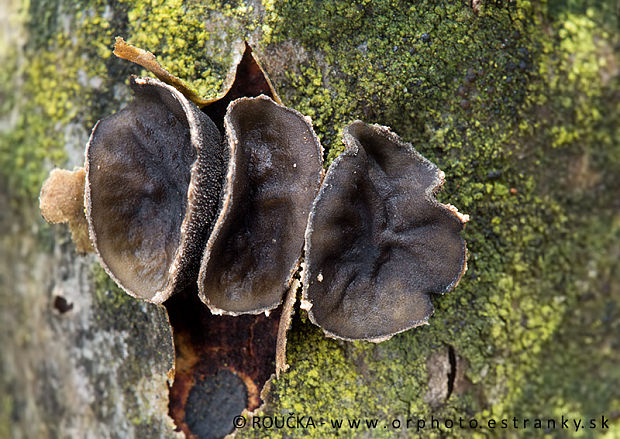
{"x":193,"y":40}
{"x":60,"y":65}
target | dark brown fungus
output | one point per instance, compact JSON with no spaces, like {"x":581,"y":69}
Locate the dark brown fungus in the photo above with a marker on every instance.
{"x":153,"y":192}
{"x":378,"y":243}
{"x":153,"y":177}
{"x":273,"y":176}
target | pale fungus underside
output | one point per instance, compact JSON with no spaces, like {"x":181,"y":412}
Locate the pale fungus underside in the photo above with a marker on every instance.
{"x":246,"y":79}
{"x":62,"y":201}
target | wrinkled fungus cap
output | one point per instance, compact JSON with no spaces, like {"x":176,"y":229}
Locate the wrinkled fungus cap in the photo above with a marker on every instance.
{"x":378,"y":243}
{"x":274,"y":173}
{"x":153,"y":177}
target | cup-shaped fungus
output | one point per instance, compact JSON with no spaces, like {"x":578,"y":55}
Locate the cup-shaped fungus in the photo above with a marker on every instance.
{"x":168,"y":203}
{"x":273,"y":176}
{"x":378,"y":243}
{"x":153,"y":178}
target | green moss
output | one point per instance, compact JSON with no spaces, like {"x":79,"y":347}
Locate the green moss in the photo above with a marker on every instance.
{"x":109,"y":295}
{"x":605,"y":12}
{"x":399,"y":64}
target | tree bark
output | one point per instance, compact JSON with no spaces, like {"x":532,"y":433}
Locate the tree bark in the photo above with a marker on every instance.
{"x":517,"y":103}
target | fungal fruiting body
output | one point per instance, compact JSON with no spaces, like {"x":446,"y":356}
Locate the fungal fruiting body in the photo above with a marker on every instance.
{"x":193,"y":201}
{"x":62,"y":201}
{"x":378,"y":243}
{"x":153,"y":179}
{"x":221,"y":199}
{"x":274,"y":172}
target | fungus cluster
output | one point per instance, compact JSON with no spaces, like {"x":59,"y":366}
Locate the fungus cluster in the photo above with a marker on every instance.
{"x":228,"y":193}
{"x":153,"y":179}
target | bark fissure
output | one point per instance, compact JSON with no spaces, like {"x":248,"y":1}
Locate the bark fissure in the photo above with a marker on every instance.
{"x":216,"y":357}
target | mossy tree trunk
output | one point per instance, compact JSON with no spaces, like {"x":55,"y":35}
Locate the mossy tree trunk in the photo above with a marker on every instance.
{"x":518,"y":102}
